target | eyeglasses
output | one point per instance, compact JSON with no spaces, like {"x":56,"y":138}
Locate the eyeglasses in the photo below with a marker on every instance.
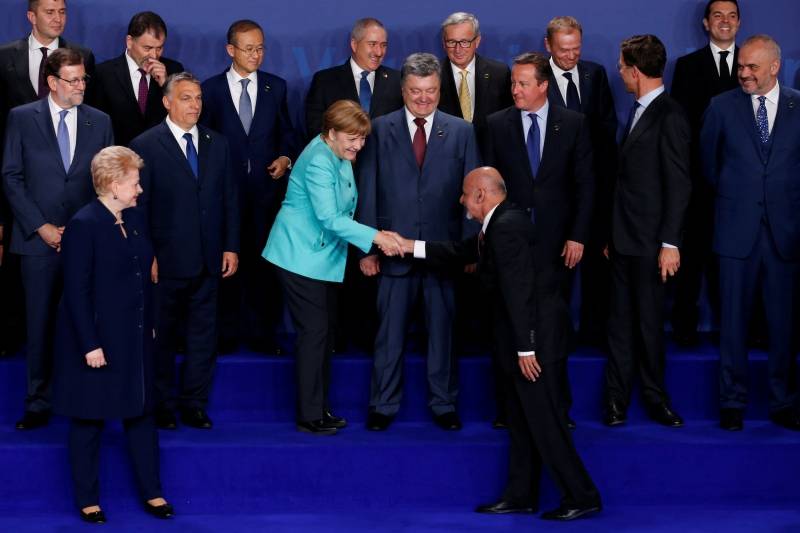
{"x":75,"y":81}
{"x":463,"y":43}
{"x":251,"y":50}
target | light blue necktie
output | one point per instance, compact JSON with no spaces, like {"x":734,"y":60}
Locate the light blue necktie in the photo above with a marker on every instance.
{"x":762,"y":121}
{"x":191,"y":154}
{"x":245,"y":107}
{"x":63,"y":138}
{"x":364,"y":92}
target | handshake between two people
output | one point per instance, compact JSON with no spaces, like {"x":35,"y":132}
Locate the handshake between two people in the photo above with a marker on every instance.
{"x":391,"y":244}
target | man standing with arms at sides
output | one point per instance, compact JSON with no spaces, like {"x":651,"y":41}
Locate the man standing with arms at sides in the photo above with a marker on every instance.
{"x":751,"y":141}
{"x":128,"y":87}
{"x":191,"y":203}
{"x":651,"y":194}
{"x":699,"y":77}
{"x":545,"y":153}
{"x":248,"y":106}
{"x":410,"y":176}
{"x":49,"y":145}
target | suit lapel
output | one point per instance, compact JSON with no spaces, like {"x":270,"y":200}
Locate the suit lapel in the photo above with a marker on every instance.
{"x":482,"y":80}
{"x":645,"y":121}
{"x":204,"y":148}
{"x":748,"y":118}
{"x":439,"y":132}
{"x":347,"y":82}
{"x":82,"y":134}
{"x":123,"y":76}
{"x":552,"y":140}
{"x":585,"y":83}
{"x":402,"y":138}
{"x":379,"y":92}
{"x":21,"y":69}
{"x":175,"y":151}
{"x":553,"y":93}
{"x":45,"y":124}
{"x":517,"y":134}
{"x":787,"y":107}
{"x":449,"y":89}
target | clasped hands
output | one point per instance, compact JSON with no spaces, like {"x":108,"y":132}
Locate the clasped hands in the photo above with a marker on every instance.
{"x":391,"y":244}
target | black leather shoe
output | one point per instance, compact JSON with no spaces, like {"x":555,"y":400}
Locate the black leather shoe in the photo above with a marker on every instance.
{"x":731,"y":419}
{"x":498,"y":423}
{"x":665,"y":416}
{"x":615,"y":415}
{"x":196,"y":418}
{"x":95,"y":517}
{"x":378,"y":421}
{"x":160,"y":511}
{"x":787,"y":418}
{"x":316,"y":427}
{"x":33,"y":420}
{"x":331,"y":420}
{"x":565,"y":514}
{"x":448,"y":421}
{"x":504,"y":507}
{"x":165,"y":419}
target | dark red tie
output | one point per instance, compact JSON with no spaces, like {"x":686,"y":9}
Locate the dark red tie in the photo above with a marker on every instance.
{"x":481,"y":242}
{"x":44,"y":89}
{"x":419,"y":143}
{"x":142,"y":97}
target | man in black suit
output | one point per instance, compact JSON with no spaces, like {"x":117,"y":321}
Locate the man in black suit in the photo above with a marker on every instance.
{"x":699,"y":77}
{"x":545,"y":153}
{"x":473,"y":87}
{"x":129,"y":87}
{"x":361,"y":78}
{"x":583,"y":86}
{"x":191,"y":203}
{"x":651,"y":194}
{"x":506,"y":250}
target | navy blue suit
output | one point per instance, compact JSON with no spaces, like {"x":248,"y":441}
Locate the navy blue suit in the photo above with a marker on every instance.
{"x":271,"y":135}
{"x":395,"y":194}
{"x":40,"y":191}
{"x":756,"y":234}
{"x":192,"y":221}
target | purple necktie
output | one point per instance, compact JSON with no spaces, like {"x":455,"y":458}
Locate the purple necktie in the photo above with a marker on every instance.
{"x":143,"y":89}
{"x":44,"y":89}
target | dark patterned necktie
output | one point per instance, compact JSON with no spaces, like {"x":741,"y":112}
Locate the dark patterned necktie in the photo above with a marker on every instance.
{"x":419,"y":143}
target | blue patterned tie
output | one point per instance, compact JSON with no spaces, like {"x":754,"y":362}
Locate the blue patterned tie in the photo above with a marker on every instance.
{"x":245,"y":107}
{"x":364,"y":92}
{"x":191,"y":154}
{"x":762,"y":121}
{"x":532,"y":143}
{"x":63,"y":138}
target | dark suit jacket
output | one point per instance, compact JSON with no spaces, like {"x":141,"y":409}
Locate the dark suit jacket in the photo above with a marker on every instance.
{"x":38,"y":188}
{"x":507,"y":273}
{"x":191,"y":220}
{"x":15,"y":83}
{"x":395,"y":194}
{"x":562,"y":193}
{"x":752,"y":185}
{"x":271,"y":134}
{"x":111,"y":91}
{"x":337,"y":83}
{"x":652,"y":189}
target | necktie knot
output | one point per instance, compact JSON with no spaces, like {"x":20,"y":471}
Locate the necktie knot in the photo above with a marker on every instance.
{"x":244,"y":82}
{"x":142,"y":72}
{"x":65,"y":112}
{"x":532,"y":116}
{"x":464,"y":73}
{"x":568,"y":75}
{"x":420,"y":122}
{"x":762,"y":99}
{"x":43,"y":49}
{"x":724,"y":54}
{"x":188,"y":137}
{"x":364,"y":74}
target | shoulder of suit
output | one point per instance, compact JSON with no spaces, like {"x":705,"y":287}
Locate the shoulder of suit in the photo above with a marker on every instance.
{"x":172,"y":65}
{"x":95,"y":113}
{"x":389,"y":71}
{"x":85,"y":51}
{"x":13,"y":46}
{"x":109,"y":64}
{"x":453,"y":120}
{"x":492,"y":64}
{"x":331,"y":72}
{"x":502,"y":115}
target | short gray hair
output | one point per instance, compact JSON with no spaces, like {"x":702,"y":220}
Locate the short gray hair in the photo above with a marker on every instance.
{"x":459,"y":18}
{"x":421,"y":64}
{"x":767,"y":41}
{"x":177,"y":78}
{"x":361,"y":26}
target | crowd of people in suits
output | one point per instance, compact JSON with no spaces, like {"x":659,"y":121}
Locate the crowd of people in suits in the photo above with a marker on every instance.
{"x":227,"y":219}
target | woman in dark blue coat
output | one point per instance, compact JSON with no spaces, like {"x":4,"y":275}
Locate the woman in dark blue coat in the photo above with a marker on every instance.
{"x":104,"y":333}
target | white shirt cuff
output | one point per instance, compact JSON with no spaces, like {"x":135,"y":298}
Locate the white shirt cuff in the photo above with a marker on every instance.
{"x":526,"y":354}
{"x":419,"y":249}
{"x":667,"y":245}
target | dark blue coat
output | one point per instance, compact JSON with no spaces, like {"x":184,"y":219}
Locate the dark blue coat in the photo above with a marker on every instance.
{"x":107,"y":303}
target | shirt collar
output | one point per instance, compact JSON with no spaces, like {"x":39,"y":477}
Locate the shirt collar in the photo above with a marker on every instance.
{"x":716,"y":49}
{"x":177,"y":131}
{"x":235,"y":77}
{"x":34,"y":44}
{"x":470,"y":67}
{"x":558,"y":72}
{"x":772,"y":95}
{"x":55,"y":109}
{"x":488,"y":217}
{"x":410,"y":118}
{"x":132,"y":66}
{"x":541,"y":112}
{"x":357,"y":70}
{"x":648,"y":98}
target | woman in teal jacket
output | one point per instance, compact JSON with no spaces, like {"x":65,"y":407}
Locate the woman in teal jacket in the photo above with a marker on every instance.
{"x":308,"y":244}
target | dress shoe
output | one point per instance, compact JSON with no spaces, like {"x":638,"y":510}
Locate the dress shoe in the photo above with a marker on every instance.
{"x":499,"y":423}
{"x":665,"y":416}
{"x":615,"y":415}
{"x":196,"y":418}
{"x":163,"y":511}
{"x":331,"y":420}
{"x":448,"y":421}
{"x":504,"y":507}
{"x":731,"y":419}
{"x":33,"y":420}
{"x":787,"y":418}
{"x":378,"y":421}
{"x":95,"y":517}
{"x":316,"y":427}
{"x":165,"y":419}
{"x":565,"y":514}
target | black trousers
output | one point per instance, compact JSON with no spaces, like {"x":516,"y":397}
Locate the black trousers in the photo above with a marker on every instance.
{"x":636,"y":330}
{"x":193,"y":303}
{"x":42,"y":278}
{"x":84,"y":457}
{"x":312,"y":304}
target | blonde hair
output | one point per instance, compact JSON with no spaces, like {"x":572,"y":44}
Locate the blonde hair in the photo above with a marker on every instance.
{"x":346,"y":116}
{"x":111,"y":164}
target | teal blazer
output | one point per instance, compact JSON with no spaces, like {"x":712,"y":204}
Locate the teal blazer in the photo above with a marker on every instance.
{"x":315,"y":223}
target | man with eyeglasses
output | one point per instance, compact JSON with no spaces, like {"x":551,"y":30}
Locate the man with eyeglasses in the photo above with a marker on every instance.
{"x":129,"y":87}
{"x":49,"y":146}
{"x":263,"y":144}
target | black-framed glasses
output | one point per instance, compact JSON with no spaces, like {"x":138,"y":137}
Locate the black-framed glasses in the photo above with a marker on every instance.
{"x":75,"y":81}
{"x":251,"y":50}
{"x":463,"y":43}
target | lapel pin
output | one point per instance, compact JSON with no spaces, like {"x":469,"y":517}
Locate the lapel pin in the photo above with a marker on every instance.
{"x":267,"y":87}
{"x":207,"y":136}
{"x":556,"y":128}
{"x":440,"y":133}
{"x":385,"y":75}
{"x":791,"y":104}
{"x":486,"y":76}
{"x":135,"y":232}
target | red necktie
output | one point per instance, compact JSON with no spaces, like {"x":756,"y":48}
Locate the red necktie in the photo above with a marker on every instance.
{"x":143,"y":89}
{"x":44,"y":89}
{"x":419,"y":143}
{"x":481,"y":242}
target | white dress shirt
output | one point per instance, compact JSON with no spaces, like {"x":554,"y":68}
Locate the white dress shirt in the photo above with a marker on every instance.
{"x":470,"y":80}
{"x":715,"y":50}
{"x":133,"y":69}
{"x":541,"y":120}
{"x":771,"y":103}
{"x":357,"y":77}
{"x":412,"y":127}
{"x":35,"y":58}
{"x":72,"y":123}
{"x":235,"y":86}
{"x":178,"y":133}
{"x":561,"y":81}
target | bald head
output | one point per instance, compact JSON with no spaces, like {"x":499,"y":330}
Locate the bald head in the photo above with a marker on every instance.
{"x":482,"y":190}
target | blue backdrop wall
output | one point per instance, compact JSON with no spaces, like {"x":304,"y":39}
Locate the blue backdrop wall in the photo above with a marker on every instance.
{"x":304,"y":36}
